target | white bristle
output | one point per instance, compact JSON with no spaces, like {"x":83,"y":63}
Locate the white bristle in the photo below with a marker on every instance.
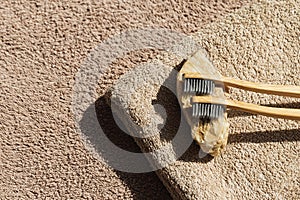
{"x":207,"y":110}
{"x":198,"y":86}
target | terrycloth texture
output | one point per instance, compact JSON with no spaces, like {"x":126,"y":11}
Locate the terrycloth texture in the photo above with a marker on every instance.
{"x":256,"y":43}
{"x":42,"y":46}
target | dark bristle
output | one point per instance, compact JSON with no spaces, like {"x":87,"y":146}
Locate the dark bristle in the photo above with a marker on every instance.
{"x":207,"y":111}
{"x":198,"y":86}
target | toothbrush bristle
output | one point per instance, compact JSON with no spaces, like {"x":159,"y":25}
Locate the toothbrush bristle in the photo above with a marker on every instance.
{"x":207,"y":111}
{"x":198,"y":86}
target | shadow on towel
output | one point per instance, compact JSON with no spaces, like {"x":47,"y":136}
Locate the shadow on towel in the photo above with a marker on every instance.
{"x":142,"y":185}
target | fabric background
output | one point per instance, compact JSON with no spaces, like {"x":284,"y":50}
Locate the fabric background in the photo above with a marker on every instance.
{"x":43,"y":44}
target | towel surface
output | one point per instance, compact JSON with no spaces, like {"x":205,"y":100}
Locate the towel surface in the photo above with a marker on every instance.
{"x":257,"y":43}
{"x":43,"y":46}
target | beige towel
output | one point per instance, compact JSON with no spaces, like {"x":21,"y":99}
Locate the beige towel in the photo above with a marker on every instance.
{"x":256,"y":43}
{"x":43,"y":45}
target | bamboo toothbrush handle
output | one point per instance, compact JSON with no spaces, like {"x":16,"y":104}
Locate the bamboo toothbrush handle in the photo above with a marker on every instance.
{"x":285,"y":113}
{"x":282,"y":90}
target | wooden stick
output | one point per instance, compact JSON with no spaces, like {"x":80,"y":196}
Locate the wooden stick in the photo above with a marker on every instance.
{"x":282,"y":90}
{"x":285,"y":113}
